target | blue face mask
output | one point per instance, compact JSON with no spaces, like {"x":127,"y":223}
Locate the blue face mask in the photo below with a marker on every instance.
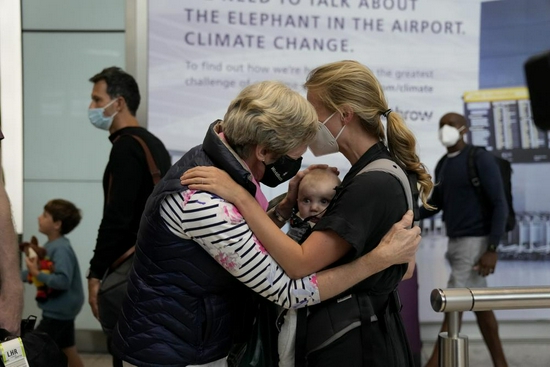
{"x":98,"y":119}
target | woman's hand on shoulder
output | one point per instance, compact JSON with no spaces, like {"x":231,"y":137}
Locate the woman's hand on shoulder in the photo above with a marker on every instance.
{"x":213,"y":180}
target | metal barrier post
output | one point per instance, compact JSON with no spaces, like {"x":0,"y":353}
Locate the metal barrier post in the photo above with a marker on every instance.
{"x":453,"y":348}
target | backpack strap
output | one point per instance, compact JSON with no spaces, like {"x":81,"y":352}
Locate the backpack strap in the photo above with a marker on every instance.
{"x":472,"y":169}
{"x":389,"y":166}
{"x":439,"y":167}
{"x":473,"y":175}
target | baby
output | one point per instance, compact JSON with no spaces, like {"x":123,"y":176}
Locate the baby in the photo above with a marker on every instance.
{"x":315,"y":192}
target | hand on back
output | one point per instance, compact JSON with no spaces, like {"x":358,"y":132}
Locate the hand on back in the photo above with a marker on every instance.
{"x":400,"y":244}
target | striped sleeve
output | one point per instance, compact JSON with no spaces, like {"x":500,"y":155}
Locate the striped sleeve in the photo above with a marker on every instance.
{"x":219,"y":228}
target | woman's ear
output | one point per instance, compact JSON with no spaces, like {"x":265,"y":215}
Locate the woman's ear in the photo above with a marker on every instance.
{"x":261,"y":153}
{"x":347,"y":114}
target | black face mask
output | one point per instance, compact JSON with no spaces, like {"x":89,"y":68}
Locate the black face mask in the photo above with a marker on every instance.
{"x":281,"y":170}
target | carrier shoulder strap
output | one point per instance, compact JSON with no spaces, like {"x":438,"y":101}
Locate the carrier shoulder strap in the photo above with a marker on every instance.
{"x":389,"y":166}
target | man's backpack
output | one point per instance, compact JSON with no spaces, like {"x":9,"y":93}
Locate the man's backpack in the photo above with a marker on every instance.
{"x":505,"y":169}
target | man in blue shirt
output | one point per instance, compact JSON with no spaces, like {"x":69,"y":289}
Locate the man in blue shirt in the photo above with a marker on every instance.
{"x":474,"y":233}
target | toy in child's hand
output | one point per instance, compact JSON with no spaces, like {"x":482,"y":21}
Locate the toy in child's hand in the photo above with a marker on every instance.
{"x":32,"y":249}
{"x":45,"y":265}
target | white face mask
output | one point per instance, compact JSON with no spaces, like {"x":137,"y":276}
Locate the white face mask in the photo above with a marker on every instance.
{"x":325,"y":143}
{"x":449,"y":135}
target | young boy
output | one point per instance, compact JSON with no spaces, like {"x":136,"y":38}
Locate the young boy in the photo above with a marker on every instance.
{"x":66,"y":296}
{"x":315,"y":192}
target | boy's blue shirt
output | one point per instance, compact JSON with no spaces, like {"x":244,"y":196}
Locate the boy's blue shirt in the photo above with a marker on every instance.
{"x":66,"y":278}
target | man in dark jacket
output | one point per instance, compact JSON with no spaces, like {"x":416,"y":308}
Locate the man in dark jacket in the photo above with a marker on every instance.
{"x":474,"y":233}
{"x":127,"y":181}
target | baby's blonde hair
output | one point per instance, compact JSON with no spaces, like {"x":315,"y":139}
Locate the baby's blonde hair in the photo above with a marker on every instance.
{"x":320,"y":175}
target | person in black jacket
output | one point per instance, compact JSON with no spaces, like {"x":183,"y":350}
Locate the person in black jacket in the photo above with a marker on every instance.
{"x":127,"y":181}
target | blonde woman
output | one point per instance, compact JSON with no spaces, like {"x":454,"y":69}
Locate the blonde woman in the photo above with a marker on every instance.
{"x":360,"y":327}
{"x":197,"y":260}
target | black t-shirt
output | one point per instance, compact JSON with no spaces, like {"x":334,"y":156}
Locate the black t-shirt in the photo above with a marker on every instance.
{"x":363,"y":211}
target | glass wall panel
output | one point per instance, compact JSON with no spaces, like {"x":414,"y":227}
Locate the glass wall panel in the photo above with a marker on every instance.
{"x":73,"y":14}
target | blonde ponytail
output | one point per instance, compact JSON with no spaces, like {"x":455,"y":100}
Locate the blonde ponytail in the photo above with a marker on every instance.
{"x":402,"y":146}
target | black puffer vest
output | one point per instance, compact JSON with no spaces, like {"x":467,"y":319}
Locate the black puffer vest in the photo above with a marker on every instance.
{"x":182,"y":307}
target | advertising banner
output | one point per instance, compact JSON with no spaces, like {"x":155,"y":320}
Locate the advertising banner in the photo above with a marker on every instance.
{"x":427,"y":55}
{"x":202,"y":53}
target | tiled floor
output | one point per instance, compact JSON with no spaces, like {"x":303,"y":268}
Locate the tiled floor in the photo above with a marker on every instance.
{"x":535,"y":354}
{"x":96,"y":360}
